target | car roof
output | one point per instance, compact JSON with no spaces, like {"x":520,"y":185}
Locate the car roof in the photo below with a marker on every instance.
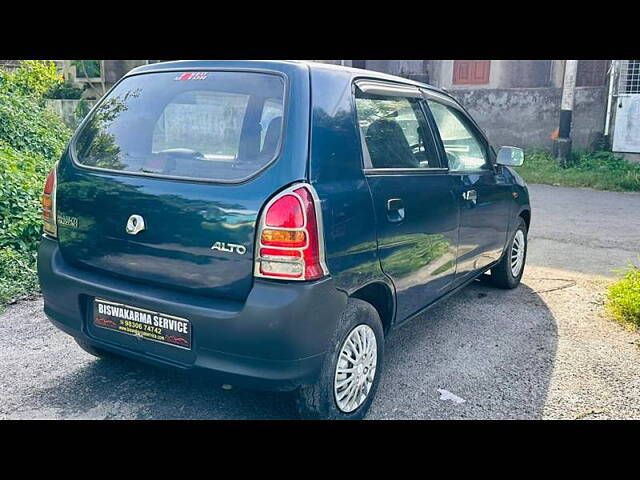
{"x":355,"y":72}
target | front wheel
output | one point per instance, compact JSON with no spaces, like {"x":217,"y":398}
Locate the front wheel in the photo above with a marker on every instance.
{"x":351,"y":371}
{"x":508,"y":272}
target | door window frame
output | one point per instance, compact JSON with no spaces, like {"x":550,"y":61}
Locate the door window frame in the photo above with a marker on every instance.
{"x":469,"y":122}
{"x":396,"y":89}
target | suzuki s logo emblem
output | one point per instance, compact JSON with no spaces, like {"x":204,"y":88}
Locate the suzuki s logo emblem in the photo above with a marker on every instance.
{"x":135,"y":224}
{"x":229,"y":247}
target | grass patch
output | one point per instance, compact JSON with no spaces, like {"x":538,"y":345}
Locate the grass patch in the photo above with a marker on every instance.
{"x":623,"y":298}
{"x":599,"y":170}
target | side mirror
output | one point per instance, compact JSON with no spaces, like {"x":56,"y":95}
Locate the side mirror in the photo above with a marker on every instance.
{"x":510,"y":156}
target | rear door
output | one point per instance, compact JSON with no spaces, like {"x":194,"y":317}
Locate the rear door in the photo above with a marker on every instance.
{"x":482,"y":193}
{"x":416,"y":212}
{"x":194,"y":156}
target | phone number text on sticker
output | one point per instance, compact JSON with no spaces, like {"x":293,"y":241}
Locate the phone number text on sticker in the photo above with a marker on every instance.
{"x":143,"y":323}
{"x":184,"y":77}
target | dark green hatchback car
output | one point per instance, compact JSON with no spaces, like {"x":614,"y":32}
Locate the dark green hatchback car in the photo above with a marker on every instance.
{"x":273,"y":222}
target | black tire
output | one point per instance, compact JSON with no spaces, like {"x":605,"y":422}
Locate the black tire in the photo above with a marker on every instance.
{"x":317,"y":401}
{"x":95,"y":351}
{"x":502,"y":275}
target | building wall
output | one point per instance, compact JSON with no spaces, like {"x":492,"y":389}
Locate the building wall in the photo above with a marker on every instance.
{"x":527,"y":117}
{"x":9,"y":65}
{"x":69,"y":110}
{"x":502,"y":74}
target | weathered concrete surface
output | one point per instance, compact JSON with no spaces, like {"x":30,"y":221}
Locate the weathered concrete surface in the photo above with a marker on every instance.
{"x":526,"y":117}
{"x":543,"y":350}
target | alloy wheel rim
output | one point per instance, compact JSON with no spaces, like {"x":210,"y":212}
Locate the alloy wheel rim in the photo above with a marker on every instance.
{"x":517,"y":253}
{"x":356,"y":368}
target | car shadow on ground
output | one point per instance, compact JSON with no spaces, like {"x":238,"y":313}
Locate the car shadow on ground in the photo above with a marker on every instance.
{"x":120,"y":388}
{"x":492,"y":349}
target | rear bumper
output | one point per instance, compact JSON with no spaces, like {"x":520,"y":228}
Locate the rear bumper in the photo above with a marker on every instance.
{"x":276,"y":339}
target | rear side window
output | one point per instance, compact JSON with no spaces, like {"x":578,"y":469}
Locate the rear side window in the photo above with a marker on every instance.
{"x":203,"y":125}
{"x":396,"y":132}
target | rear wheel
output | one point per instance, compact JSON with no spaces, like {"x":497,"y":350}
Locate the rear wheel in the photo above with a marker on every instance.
{"x":95,"y":351}
{"x":351,"y":371}
{"x":508,"y":272}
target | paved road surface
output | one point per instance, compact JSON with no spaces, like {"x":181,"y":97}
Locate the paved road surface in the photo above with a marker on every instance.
{"x":584,"y":230}
{"x":541,"y":351}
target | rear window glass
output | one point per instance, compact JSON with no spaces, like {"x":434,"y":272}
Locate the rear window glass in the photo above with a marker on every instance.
{"x":203,"y":125}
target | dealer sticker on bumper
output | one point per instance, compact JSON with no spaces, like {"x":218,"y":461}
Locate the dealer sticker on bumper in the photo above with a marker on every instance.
{"x":139,"y":322}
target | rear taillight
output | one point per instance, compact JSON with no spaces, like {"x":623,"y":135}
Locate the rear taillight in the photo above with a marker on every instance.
{"x":289,"y":244}
{"x":49,"y":204}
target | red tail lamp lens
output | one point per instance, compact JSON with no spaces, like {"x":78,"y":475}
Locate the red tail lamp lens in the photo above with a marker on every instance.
{"x":286,"y":212}
{"x":291,"y":225}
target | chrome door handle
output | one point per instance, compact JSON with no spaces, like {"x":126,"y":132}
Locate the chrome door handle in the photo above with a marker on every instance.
{"x":470,"y":196}
{"x":395,"y":210}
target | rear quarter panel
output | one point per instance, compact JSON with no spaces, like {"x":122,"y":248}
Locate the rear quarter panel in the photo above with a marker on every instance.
{"x":335,"y":171}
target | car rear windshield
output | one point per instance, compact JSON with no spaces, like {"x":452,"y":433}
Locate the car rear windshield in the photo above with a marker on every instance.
{"x":210,"y":125}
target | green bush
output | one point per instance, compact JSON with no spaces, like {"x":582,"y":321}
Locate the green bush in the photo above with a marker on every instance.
{"x":33,"y":78}
{"x":64,"y":90}
{"x":29,"y":127}
{"x":599,"y":170}
{"x":32,"y":138}
{"x":623,"y":298}
{"x":18,"y":277}
{"x":21,"y":181}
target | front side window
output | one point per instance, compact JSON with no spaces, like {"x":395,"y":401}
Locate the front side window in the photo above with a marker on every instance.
{"x":202,"y":125}
{"x":463,"y":148}
{"x":396,"y":132}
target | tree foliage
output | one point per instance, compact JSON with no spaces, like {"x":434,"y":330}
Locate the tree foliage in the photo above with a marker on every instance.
{"x":33,"y":78}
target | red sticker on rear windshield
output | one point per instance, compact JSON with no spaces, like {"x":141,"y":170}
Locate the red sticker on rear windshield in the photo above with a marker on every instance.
{"x":184,"y":77}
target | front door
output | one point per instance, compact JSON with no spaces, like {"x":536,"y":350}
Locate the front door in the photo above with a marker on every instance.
{"x":416,"y":210}
{"x":480,"y":189}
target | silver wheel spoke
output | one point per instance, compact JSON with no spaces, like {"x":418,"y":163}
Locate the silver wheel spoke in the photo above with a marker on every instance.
{"x":346,"y":357}
{"x":356,"y":368}
{"x":346,"y":370}
{"x":517,"y":253}
{"x":345,"y":394}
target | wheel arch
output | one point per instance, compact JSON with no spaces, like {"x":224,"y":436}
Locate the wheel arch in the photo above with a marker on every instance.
{"x":380,"y":296}
{"x":525,"y":214}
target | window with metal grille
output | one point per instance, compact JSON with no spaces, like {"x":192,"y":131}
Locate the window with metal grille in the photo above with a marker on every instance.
{"x":471,"y":72}
{"x":629,"y":82}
